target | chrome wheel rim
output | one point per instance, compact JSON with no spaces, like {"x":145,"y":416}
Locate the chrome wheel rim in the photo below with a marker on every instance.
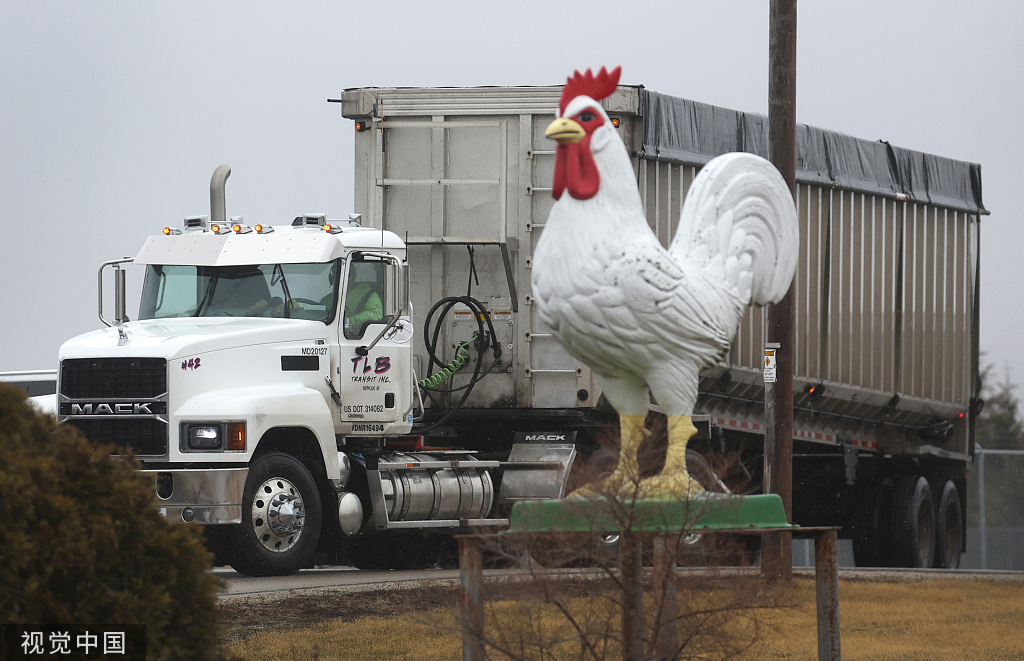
{"x":278,"y":514}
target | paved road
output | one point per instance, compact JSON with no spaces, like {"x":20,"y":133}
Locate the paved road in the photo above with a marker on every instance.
{"x":313,"y":580}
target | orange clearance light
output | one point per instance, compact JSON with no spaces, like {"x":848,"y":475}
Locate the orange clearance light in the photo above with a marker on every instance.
{"x":167,"y":231}
{"x":236,"y":436}
{"x":362,"y":126}
{"x":215,"y":229}
{"x":236,"y":228}
{"x":616,"y":121}
{"x":814,"y":390}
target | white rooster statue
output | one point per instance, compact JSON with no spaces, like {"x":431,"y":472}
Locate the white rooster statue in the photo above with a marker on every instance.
{"x":646,"y":319}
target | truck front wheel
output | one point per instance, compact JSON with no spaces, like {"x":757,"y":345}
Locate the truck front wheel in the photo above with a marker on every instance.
{"x":281,"y":519}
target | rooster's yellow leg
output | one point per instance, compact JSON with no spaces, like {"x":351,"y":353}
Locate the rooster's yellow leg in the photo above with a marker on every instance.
{"x":626,"y":475}
{"x":674,"y":481}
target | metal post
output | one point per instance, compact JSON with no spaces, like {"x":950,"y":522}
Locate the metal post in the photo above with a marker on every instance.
{"x":631,"y":567}
{"x":667,"y":642}
{"x":777,"y":548}
{"x":826,"y":591}
{"x":470,"y":584}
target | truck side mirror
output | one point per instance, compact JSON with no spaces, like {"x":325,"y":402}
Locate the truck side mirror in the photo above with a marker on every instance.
{"x":120,"y":304}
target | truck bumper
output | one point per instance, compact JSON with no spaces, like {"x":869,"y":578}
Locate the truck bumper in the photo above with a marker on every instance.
{"x":206,"y":496}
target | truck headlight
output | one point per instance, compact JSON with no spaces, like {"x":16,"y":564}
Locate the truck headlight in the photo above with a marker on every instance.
{"x":212,"y":437}
{"x":204,"y":437}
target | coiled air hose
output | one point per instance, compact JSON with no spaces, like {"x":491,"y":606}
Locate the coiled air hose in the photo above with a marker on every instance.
{"x":481,"y":339}
{"x":449,"y":370}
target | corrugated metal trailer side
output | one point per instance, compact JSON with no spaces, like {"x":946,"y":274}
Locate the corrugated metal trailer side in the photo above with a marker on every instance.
{"x":884,"y":307}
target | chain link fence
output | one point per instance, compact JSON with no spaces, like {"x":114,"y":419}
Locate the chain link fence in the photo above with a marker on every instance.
{"x":995,"y":511}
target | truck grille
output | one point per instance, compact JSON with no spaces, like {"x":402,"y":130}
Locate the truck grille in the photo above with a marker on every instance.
{"x":143,"y":437}
{"x":117,"y":401}
{"x":123,"y":378}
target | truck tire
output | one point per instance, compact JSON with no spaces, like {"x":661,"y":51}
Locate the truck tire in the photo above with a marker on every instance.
{"x":914,"y":523}
{"x":949,"y":533}
{"x":872,"y":546}
{"x":281,"y":519}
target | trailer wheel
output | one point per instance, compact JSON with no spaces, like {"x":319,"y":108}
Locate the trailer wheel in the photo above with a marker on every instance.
{"x":872,"y":546}
{"x":281,"y":519}
{"x":949,"y":533}
{"x":914,"y":523}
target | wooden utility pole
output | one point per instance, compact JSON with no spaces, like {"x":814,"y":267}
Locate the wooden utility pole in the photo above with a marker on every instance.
{"x":777,"y":550}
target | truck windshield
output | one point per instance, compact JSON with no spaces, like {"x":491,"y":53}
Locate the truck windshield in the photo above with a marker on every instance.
{"x":295,"y":291}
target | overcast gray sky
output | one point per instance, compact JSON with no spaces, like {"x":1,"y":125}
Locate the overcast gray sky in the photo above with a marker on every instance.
{"x":113,"y":115}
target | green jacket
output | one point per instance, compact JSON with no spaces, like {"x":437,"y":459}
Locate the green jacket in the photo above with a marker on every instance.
{"x":363,"y":304}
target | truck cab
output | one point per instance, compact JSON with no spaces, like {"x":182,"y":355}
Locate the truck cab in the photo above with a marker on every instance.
{"x":255,"y":350}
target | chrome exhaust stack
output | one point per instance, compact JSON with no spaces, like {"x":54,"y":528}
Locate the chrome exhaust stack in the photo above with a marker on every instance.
{"x":218,"y":207}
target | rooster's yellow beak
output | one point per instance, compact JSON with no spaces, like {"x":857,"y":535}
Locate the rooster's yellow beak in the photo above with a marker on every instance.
{"x":565,"y":131}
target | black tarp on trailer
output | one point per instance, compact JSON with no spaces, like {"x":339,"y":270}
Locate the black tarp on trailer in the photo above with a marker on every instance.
{"x":692,"y":133}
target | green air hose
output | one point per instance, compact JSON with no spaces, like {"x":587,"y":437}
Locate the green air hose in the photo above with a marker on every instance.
{"x":461,"y":355}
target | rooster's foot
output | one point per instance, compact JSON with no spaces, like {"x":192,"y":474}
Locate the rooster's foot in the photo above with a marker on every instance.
{"x":678,"y":485}
{"x":617,"y":484}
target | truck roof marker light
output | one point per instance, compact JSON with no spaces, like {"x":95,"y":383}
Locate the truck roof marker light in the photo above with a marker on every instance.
{"x":236,"y":436}
{"x":216,"y":228}
{"x":241,"y":228}
{"x":171,"y":231}
{"x":331,"y":229}
{"x":263,"y":229}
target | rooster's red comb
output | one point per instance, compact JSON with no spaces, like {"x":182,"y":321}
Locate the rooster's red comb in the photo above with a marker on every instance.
{"x":596,"y":87}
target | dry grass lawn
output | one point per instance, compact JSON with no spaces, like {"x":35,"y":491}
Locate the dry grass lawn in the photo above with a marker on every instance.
{"x":907,"y":620}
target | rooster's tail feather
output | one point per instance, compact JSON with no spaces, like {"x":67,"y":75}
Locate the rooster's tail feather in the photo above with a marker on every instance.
{"x":739,"y":223}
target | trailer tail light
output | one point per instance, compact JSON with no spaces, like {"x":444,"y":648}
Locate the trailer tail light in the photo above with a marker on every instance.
{"x":236,"y":436}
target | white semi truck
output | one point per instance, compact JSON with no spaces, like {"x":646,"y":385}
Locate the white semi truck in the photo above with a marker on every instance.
{"x":366,"y":387}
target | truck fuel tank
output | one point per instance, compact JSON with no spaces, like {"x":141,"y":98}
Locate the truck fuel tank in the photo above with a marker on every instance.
{"x":425,"y":490}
